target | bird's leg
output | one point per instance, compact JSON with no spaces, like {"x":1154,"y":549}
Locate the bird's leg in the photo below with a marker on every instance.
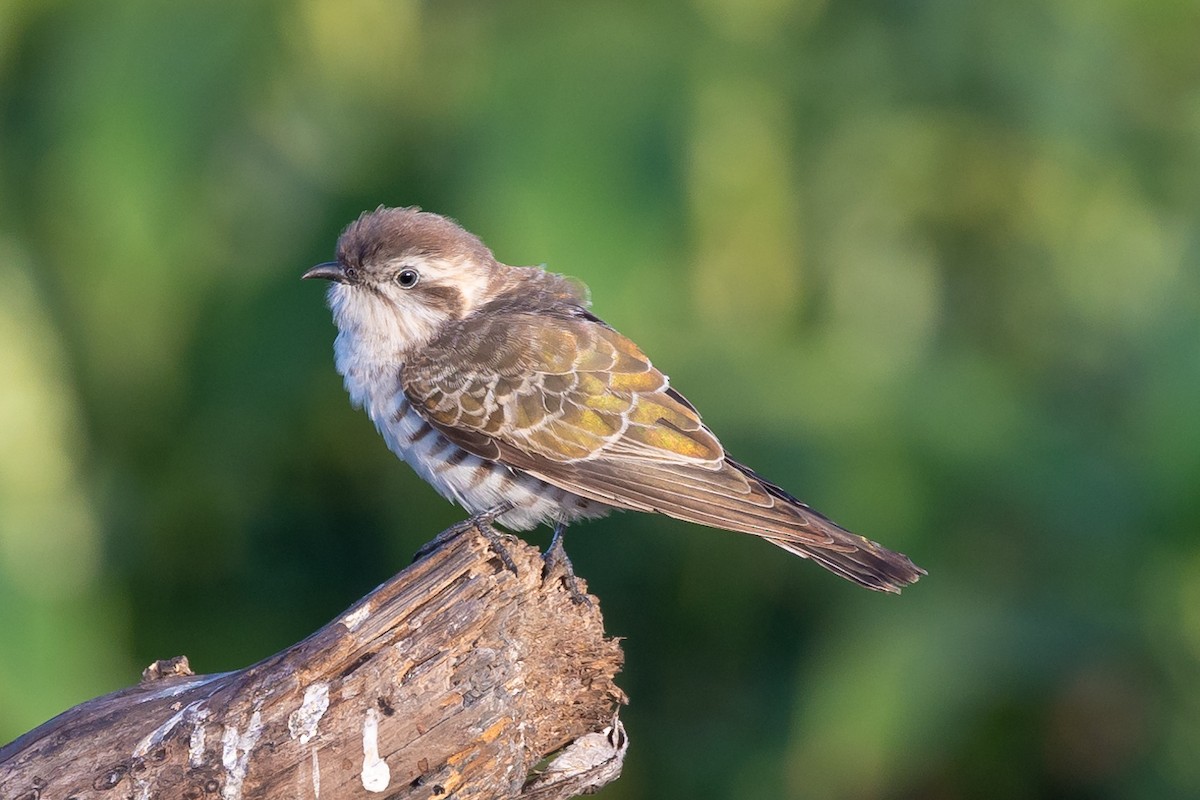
{"x":481,"y":522}
{"x":556,"y":557}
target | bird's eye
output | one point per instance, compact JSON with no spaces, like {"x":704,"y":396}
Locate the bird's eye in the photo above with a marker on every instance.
{"x":407,"y":278}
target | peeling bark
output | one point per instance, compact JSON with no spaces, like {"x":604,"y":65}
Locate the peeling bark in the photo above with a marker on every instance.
{"x":455,"y":678}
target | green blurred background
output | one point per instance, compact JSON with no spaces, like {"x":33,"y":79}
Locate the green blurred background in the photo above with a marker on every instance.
{"x":933,"y":265}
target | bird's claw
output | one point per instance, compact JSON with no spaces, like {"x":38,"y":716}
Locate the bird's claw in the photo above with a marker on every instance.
{"x":481,"y":523}
{"x":555,"y":560}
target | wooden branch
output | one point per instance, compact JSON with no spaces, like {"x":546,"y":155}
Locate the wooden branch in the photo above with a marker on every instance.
{"x":455,"y":678}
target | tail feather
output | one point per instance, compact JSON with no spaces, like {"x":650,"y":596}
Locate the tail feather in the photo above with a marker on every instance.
{"x":881,"y":569}
{"x":849,"y":555}
{"x":732,"y":496}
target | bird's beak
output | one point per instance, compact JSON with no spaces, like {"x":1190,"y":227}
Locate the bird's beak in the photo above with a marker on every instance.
{"x":329,"y":271}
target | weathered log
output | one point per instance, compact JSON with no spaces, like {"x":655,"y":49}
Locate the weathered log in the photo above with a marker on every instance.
{"x":456,"y":678}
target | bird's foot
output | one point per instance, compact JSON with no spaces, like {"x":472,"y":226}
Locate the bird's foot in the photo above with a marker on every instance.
{"x":555,"y":560}
{"x":481,"y":523}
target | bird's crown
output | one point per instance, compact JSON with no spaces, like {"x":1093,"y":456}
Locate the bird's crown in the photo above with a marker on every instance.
{"x":384,"y":235}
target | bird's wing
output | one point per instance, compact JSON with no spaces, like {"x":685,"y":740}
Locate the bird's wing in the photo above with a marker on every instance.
{"x":578,"y":405}
{"x":566,"y":392}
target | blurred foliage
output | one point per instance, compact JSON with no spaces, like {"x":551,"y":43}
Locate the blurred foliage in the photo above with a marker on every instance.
{"x":930,"y":264}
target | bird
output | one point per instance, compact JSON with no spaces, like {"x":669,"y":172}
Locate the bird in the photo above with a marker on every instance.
{"x":502,"y":389}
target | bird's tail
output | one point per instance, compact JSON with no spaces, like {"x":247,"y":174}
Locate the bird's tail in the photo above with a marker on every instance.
{"x":729,"y":495}
{"x":843,"y":553}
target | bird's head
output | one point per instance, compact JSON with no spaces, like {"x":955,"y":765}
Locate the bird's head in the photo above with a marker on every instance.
{"x":401,"y":274}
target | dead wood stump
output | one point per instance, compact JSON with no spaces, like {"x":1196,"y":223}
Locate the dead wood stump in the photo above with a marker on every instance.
{"x":456,"y":678}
